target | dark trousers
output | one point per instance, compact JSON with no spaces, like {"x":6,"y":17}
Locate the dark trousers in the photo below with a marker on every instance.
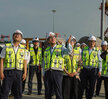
{"x":71,"y":87}
{"x":88,"y":80}
{"x":106,"y":86}
{"x":32,"y":70}
{"x":23,"y":83}
{"x":98,"y":85}
{"x":0,"y":89}
{"x":12,"y":78}
{"x":53,"y":77}
{"x":75,"y":88}
{"x":66,"y":87}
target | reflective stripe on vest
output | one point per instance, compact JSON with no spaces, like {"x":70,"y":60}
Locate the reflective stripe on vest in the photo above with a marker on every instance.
{"x":37,"y":58}
{"x":54,"y":61}
{"x":13,"y":61}
{"x":92,"y":59}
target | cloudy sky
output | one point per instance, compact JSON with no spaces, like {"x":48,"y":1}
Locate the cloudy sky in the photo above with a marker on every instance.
{"x":35,"y":18}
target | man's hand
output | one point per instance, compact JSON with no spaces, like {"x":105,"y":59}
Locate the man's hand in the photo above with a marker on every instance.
{"x":24,"y":76}
{"x":70,"y":37}
{"x":78,"y":77}
{"x":39,"y":67}
{"x":1,"y":75}
{"x":99,"y":74}
{"x":72,"y":74}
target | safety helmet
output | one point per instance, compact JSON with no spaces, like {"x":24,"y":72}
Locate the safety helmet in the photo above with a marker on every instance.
{"x":78,"y":44}
{"x":92,"y":38}
{"x":83,"y":43}
{"x":72,"y":38}
{"x":18,"y":31}
{"x":23,"y":41}
{"x":35,"y":39}
{"x":104,"y":43}
{"x":51,"y":34}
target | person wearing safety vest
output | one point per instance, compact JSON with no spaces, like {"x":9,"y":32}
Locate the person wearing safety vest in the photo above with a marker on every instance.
{"x":104,"y":73}
{"x":83,"y":45}
{"x":99,"y":79}
{"x":13,"y":62}
{"x":71,"y":82}
{"x":91,"y":61}
{"x":23,"y":42}
{"x":53,"y":67}
{"x":0,"y":79}
{"x":35,"y":65}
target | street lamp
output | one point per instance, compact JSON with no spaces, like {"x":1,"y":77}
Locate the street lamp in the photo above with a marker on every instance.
{"x":102,"y":19}
{"x":53,"y":19}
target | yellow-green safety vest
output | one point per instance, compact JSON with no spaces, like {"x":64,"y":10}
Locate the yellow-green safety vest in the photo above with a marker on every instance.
{"x":37,"y":58}
{"x":72,"y":65}
{"x":54,"y":61}
{"x":67,"y":63}
{"x":12,"y":60}
{"x":105,"y":65}
{"x":92,"y":59}
{"x":76,"y":58}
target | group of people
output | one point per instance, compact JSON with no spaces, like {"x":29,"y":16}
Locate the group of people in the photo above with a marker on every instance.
{"x":68,"y":71}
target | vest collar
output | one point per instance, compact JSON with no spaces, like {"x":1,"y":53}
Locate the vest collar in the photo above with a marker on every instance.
{"x":17,"y":46}
{"x":54,"y":46}
{"x":92,"y":48}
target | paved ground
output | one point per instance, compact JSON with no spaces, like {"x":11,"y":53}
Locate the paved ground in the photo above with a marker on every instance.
{"x":35,"y":96}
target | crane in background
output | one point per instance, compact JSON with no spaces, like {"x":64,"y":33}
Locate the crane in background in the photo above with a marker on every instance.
{"x":104,"y":13}
{"x":3,"y":38}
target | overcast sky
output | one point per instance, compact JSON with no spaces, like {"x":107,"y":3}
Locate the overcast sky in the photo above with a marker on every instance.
{"x":35,"y":18}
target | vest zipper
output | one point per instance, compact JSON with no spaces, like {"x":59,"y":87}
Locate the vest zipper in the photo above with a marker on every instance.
{"x":16,"y":58}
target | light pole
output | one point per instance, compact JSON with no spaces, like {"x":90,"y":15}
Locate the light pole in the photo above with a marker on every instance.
{"x":102,"y":19}
{"x":53,"y":19}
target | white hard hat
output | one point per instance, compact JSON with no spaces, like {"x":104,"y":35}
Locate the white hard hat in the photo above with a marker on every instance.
{"x":23,"y":41}
{"x":83,"y":43}
{"x":92,"y":38}
{"x":78,"y":44}
{"x":18,"y":31}
{"x":51,"y":34}
{"x":104,"y":43}
{"x":73,"y":38}
{"x":35,"y":39}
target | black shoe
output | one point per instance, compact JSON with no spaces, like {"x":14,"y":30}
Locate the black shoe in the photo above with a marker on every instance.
{"x":11,"y":95}
{"x":96,"y":95}
{"x":29,"y":93}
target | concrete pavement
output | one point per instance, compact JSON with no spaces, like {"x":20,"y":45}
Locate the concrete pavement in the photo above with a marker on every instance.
{"x":35,"y":96}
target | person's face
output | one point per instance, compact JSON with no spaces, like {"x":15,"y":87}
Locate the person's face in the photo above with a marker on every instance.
{"x":82,"y":46}
{"x":72,"y":43}
{"x":23,"y":44}
{"x":104,"y":47}
{"x":35,"y":43}
{"x":52,"y":40}
{"x":17,"y":37}
{"x":92,"y":43}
